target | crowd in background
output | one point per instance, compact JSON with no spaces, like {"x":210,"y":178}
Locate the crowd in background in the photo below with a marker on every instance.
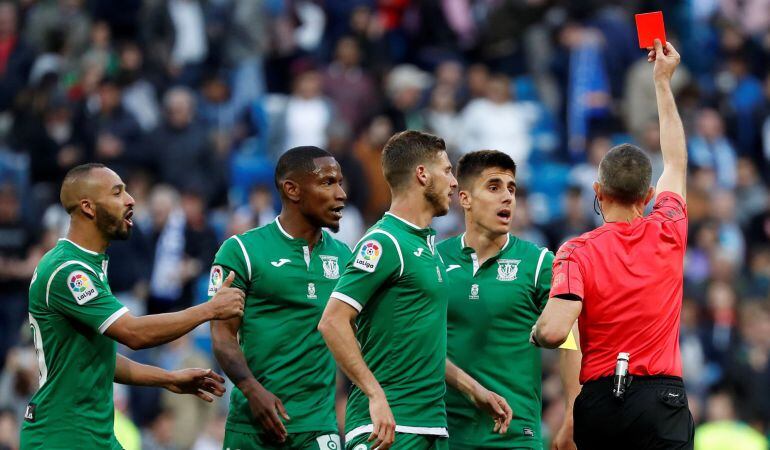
{"x":192,"y":101}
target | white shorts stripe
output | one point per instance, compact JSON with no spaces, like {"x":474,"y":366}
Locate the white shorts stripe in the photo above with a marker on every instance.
{"x":430,"y":431}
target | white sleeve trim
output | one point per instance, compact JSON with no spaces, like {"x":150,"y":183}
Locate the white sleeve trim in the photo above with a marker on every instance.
{"x":540,"y":263}
{"x":110,"y":320}
{"x":347,"y":299}
{"x":431,"y":431}
{"x":245,"y":255}
{"x":58,"y":269}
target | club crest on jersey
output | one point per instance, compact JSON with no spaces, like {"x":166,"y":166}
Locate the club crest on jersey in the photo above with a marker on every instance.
{"x":507,"y":269}
{"x":311,"y":291}
{"x":331,"y":267}
{"x":215,"y":279}
{"x":368,"y":256}
{"x":329,"y":442}
{"x":81,"y":286}
{"x":474,"y":295}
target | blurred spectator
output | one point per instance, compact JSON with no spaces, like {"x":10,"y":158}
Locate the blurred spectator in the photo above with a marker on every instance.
{"x":65,"y":15}
{"x":721,"y":334}
{"x":497,"y":122}
{"x":245,"y":47}
{"x":15,"y":56}
{"x":19,"y":379}
{"x":53,"y":59}
{"x":442,"y":119}
{"x":404,"y":87}
{"x":9,"y":430}
{"x":575,"y":221}
{"x":694,"y":363}
{"x":111,"y":133}
{"x":178,"y":39}
{"x":750,"y":194}
{"x":257,"y":212}
{"x":19,"y":254}
{"x":368,"y":151}
{"x":584,"y":175}
{"x":213,"y":435}
{"x":730,"y":236}
{"x":349,"y":86}
{"x":710,"y":149}
{"x":160,"y":434}
{"x":182,"y":149}
{"x":139,"y":96}
{"x":722,"y":430}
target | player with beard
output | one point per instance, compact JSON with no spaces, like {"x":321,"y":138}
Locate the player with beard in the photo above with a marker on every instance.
{"x":392,"y":299}
{"x":75,"y":321}
{"x":283,"y":373}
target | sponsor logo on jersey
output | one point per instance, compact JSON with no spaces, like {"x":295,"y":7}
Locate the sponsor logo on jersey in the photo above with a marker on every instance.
{"x":474,"y":295}
{"x":29,"y":413}
{"x":418,"y":252}
{"x":215,"y":279}
{"x":369,"y":256}
{"x":329,"y":442}
{"x":559,"y":279}
{"x":528,"y":432}
{"x":280,"y":262}
{"x":507,"y":269}
{"x":311,"y":291}
{"x":331,"y":267}
{"x":452,"y":267}
{"x":82,"y":287}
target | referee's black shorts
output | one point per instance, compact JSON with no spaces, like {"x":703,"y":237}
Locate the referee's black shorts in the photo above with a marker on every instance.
{"x":653,"y":415}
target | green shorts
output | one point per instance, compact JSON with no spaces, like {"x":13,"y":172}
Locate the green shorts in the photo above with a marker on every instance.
{"x":403,"y":441}
{"x":310,"y":440}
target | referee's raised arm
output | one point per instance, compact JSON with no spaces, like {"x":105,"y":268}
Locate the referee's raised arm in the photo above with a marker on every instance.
{"x":672,"y":141}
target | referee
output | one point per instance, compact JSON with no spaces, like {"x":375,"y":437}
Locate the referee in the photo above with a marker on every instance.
{"x":624,"y":282}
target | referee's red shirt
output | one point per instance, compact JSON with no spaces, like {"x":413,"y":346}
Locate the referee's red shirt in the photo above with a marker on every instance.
{"x":629,"y":278}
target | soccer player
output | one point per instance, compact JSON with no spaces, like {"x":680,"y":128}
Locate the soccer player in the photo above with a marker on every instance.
{"x":283,"y":373}
{"x":394,"y":292}
{"x":76,"y":320}
{"x":498,"y":285}
{"x":624,"y":281}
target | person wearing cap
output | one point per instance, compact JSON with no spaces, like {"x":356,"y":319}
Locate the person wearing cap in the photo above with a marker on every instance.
{"x":624,"y":282}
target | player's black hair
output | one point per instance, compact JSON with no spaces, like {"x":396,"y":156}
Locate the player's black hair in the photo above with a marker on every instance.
{"x":405,"y":151}
{"x":472,"y":164}
{"x":625,"y":173}
{"x":298,"y":160}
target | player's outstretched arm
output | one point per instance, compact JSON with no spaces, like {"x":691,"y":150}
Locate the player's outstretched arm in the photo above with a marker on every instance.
{"x":337,"y":328}
{"x":198,"y":382}
{"x":150,"y":331}
{"x":264,"y":405}
{"x":569,"y":372}
{"x":672,"y":139}
{"x":482,"y":397}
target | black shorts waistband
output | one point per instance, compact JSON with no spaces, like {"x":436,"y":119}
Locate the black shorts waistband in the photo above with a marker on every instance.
{"x":657,"y":380}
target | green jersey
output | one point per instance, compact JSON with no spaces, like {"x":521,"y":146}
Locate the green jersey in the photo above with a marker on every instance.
{"x":396,"y":281}
{"x":70,"y":307}
{"x":492,"y":307}
{"x":287,"y":286}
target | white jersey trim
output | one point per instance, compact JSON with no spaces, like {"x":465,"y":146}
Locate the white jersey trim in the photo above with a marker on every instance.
{"x":431,"y":431}
{"x":404,"y":220}
{"x":347,"y":299}
{"x":81,"y":248}
{"x":38,"y":341}
{"x":110,"y":320}
{"x":540,"y":263}
{"x":53,"y":275}
{"x":245,"y":255}
{"x":395,"y":242}
{"x":285,"y":233}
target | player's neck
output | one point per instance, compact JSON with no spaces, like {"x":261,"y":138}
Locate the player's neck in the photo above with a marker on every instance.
{"x":616,"y":212}
{"x":485,"y":243}
{"x":413,"y":208}
{"x":87,"y":237}
{"x":294,"y":223}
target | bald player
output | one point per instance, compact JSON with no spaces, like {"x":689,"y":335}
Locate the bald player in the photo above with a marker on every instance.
{"x":75,"y":321}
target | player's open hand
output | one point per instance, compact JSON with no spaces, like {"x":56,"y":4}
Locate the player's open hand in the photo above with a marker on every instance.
{"x":665,"y":58}
{"x":198,"y":382}
{"x":266,"y":407}
{"x":228,"y":301}
{"x":384,"y":433}
{"x":495,"y":405}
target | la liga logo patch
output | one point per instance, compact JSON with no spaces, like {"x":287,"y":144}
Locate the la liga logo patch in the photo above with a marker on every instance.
{"x":81,"y":287}
{"x":368,"y":256}
{"x":215,"y":279}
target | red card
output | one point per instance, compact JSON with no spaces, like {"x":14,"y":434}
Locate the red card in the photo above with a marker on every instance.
{"x":649,"y":26}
